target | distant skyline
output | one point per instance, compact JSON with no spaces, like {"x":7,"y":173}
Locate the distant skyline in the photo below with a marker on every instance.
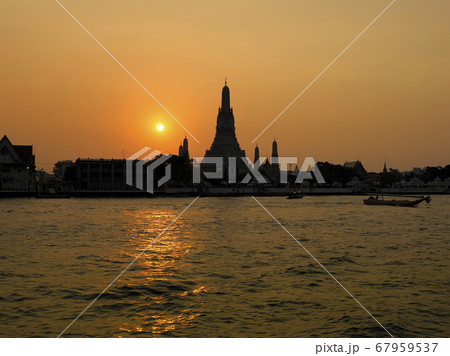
{"x":386,"y":98}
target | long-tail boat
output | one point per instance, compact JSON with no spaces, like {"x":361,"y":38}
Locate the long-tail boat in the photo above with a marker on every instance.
{"x":380,"y":200}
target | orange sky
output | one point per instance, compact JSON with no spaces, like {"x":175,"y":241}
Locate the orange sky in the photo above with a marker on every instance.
{"x":386,"y":96}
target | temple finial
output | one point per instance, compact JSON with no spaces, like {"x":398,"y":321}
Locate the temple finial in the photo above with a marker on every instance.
{"x":225,"y":97}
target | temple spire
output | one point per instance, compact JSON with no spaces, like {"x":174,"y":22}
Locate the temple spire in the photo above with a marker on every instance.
{"x":225,"y":98}
{"x":225,"y":143}
{"x":183,"y":150}
{"x":256,"y":154}
{"x":274,"y":149}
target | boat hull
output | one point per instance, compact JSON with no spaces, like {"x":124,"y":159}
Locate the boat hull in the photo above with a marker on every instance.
{"x":294,"y":196}
{"x":393,"y":202}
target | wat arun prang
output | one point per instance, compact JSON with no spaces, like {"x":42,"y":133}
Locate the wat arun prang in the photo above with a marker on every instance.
{"x":225,"y":143}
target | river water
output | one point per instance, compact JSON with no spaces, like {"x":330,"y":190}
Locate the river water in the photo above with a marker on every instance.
{"x":225,"y":268}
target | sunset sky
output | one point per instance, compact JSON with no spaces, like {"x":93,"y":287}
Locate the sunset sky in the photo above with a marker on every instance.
{"x":387,"y":96}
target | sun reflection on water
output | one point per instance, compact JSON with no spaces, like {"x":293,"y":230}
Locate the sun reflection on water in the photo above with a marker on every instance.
{"x":161,"y":323}
{"x":156,"y":273}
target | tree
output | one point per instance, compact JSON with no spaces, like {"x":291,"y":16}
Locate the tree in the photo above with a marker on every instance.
{"x":60,"y":167}
{"x":335,"y":172}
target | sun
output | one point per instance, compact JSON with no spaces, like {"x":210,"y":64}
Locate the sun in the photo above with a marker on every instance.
{"x":160,"y":127}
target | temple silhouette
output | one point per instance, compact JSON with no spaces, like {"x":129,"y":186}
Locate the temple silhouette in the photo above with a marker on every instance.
{"x":226,"y":145}
{"x":225,"y":142}
{"x":183,"y":149}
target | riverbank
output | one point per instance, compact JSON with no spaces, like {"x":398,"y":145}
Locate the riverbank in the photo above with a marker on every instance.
{"x":222,"y":191}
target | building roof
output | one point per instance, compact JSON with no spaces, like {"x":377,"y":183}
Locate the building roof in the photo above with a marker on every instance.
{"x":357,"y":167}
{"x":352,"y":164}
{"x":25,"y":153}
{"x":20,"y":153}
{"x":415,"y":181}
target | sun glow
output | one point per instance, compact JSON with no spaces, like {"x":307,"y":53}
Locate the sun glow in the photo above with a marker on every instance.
{"x":160,"y":127}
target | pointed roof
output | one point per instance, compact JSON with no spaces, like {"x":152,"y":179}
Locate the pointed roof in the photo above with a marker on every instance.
{"x":6,"y":143}
{"x":19,"y":153}
{"x":5,"y":139}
